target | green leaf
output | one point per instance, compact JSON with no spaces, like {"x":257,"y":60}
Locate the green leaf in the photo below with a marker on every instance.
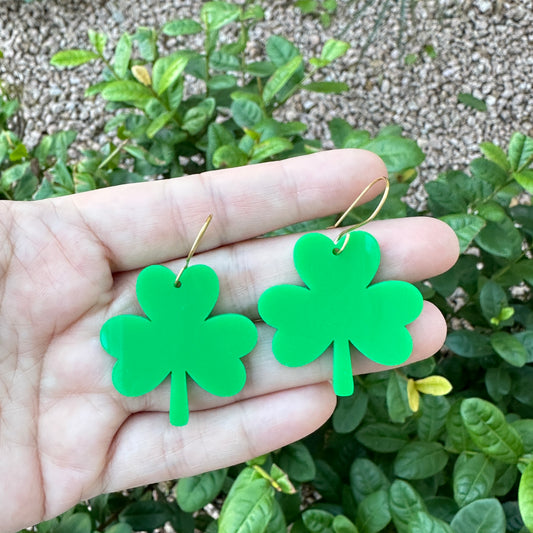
{"x":520,"y":150}
{"x":246,"y":113}
{"x":270,"y":148}
{"x":505,"y":478}
{"x":217,"y":136}
{"x":217,"y":14}
{"x":318,"y":521}
{"x":471,"y":101}
{"x":525,"y":496}
{"x":373,"y":512}
{"x":381,"y":437}
{"x":19,"y":152}
{"x":433,"y":414}
{"x":334,"y":49}
{"x":525,"y":179}
{"x":397,"y":402}
{"x":306,"y":6}
{"x":488,"y":171}
{"x":277,"y":523}
{"x":13,"y":174}
{"x":481,"y":516}
{"x":122,"y":55}
{"x":498,"y":383}
{"x":341,"y":524}
{"x":366,"y":478}
{"x":261,"y":69}
{"x":229,"y":156}
{"x":296,"y":460}
{"x":525,"y":430}
{"x":466,"y":227}
{"x":327,"y":482}
{"x":126,"y":91}
{"x":501,"y":239}
{"x":96,"y":88}
{"x":418,"y":460}
{"x":457,"y":436}
{"x":197,"y":118}
{"x":490,"y":432}
{"x":193,"y":493}
{"x":425,"y":523}
{"x":492,"y":299}
{"x":158,"y":123}
{"x":75,"y":523}
{"x":398,"y":153}
{"x":404,"y":503}
{"x":98,"y":40}
{"x":181,"y":27}
{"x":509,"y":348}
{"x":350,"y":411}
{"x":62,"y":176}
{"x":280,"y":51}
{"x":119,"y":528}
{"x":247,"y":509}
{"x":473,"y":478}
{"x":279,"y":79}
{"x":468,"y":343}
{"x":221,"y":61}
{"x":221,"y":82}
{"x":495,"y":154}
{"x":167,"y":70}
{"x":72,"y":58}
{"x":336,"y":87}
{"x":145,"y":515}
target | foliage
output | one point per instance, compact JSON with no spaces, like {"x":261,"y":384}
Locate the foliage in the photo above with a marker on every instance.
{"x":398,"y":455}
{"x":323,"y":9}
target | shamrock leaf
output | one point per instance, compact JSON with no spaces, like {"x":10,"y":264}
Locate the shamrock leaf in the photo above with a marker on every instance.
{"x":178,"y":339}
{"x":339,"y":307}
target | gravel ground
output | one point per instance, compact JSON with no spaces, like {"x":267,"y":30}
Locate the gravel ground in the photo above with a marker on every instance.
{"x":482,"y":47}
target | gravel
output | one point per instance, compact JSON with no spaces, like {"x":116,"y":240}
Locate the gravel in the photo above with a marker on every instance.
{"x":482,"y":48}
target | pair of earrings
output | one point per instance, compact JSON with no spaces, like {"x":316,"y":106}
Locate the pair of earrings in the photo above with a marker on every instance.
{"x":336,"y":307}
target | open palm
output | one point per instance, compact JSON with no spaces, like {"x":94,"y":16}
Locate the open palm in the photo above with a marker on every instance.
{"x":69,"y":264}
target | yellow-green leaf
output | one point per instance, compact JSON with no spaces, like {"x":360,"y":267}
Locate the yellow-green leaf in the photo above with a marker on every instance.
{"x":525,"y":496}
{"x":434,"y":385}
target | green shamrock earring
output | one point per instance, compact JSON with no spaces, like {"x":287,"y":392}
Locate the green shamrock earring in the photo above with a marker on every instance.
{"x":178,"y":337}
{"x":339,"y":307}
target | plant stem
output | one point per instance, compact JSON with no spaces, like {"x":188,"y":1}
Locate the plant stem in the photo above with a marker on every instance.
{"x":179,"y":401}
{"x":342,"y":368}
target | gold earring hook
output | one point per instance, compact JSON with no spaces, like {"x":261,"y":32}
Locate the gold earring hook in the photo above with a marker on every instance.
{"x":366,"y":221}
{"x":194,"y":247}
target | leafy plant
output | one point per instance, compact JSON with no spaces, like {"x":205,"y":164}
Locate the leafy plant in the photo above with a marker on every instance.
{"x":227,"y":119}
{"x":323,"y":9}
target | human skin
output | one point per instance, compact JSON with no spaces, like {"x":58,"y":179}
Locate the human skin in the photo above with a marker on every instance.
{"x":68,"y":264}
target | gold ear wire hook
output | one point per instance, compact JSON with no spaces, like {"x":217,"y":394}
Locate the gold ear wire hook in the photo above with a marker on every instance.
{"x":354,"y":203}
{"x":194,"y":247}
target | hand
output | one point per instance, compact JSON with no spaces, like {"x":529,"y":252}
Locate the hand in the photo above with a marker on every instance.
{"x":69,"y":264}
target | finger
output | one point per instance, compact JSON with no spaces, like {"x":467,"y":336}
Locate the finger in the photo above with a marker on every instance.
{"x":265,"y":375}
{"x":145,"y":223}
{"x":412,"y":249}
{"x":214,"y":438}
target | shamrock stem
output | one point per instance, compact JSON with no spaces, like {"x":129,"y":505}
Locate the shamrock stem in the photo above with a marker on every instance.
{"x":342,"y":369}
{"x":179,"y":401}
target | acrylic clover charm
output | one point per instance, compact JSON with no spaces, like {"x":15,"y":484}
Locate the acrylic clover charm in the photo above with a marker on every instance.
{"x":178,"y":338}
{"x":338,"y":306}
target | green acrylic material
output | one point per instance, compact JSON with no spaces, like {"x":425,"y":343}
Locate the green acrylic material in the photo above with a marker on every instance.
{"x":178,"y":338}
{"x":338,"y":306}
